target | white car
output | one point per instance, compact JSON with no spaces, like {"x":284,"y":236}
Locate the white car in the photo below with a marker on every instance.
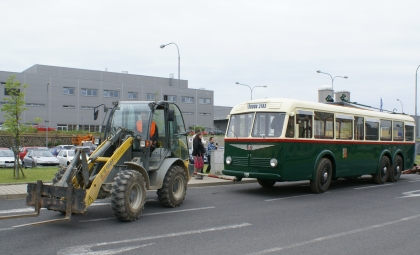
{"x":36,"y":158}
{"x":7,"y":158}
{"x":65,"y":157}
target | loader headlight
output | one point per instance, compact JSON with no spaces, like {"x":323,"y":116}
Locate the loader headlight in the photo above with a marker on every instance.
{"x":273,"y":162}
{"x":143,"y":143}
{"x":228,"y":160}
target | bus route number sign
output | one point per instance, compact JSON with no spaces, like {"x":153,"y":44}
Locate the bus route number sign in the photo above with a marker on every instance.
{"x":257,"y":106}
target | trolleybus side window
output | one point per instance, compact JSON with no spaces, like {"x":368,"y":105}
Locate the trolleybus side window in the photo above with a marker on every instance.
{"x":398,"y":131}
{"x":386,"y":130}
{"x":359,"y":125}
{"x":324,"y":125}
{"x":290,"y":131}
{"x":268,"y":124}
{"x":343,"y":127}
{"x":304,"y":124}
{"x":409,"y":133}
{"x":372,"y":129}
{"x":240,"y":125}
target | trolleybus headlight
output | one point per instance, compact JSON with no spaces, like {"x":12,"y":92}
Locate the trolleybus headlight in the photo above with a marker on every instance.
{"x":273,"y":162}
{"x":228,"y":160}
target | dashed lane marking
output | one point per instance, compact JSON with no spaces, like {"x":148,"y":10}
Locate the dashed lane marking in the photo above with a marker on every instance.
{"x":151,"y":214}
{"x":283,"y":198}
{"x":324,"y":238}
{"x":376,"y":186}
{"x":86,"y":249}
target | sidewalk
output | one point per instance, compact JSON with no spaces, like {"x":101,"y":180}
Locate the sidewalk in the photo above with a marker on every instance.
{"x":18,"y":191}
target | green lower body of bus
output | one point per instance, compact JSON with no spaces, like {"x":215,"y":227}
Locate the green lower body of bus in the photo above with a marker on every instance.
{"x":298,"y":160}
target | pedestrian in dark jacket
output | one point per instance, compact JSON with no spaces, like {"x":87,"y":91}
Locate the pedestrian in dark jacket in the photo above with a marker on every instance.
{"x":198,"y":150}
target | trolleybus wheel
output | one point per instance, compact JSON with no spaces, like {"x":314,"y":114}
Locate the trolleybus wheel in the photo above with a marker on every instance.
{"x":323,"y":175}
{"x":266,"y":183}
{"x":383,"y":172}
{"x":395,"y":173}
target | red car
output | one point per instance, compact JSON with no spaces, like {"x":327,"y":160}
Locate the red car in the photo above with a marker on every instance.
{"x":43,"y":128}
{"x":24,"y":150}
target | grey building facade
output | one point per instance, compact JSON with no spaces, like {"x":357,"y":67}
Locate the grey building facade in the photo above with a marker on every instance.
{"x":68,"y":100}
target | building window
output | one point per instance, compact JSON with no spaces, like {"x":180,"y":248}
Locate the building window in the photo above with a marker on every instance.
{"x":35,"y":105}
{"x":150,"y":96}
{"x":68,"y":106}
{"x":205,"y":113}
{"x":8,"y":92}
{"x":90,"y":92}
{"x":132,"y":95}
{"x":87,"y":107}
{"x":169,"y":98}
{"x":68,"y":90}
{"x":188,"y":113}
{"x":188,"y":100}
{"x":111,"y":93}
{"x":204,"y":101}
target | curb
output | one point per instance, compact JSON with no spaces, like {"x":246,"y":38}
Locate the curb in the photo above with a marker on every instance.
{"x":207,"y":184}
{"x":12,"y":196}
{"x":197,"y":184}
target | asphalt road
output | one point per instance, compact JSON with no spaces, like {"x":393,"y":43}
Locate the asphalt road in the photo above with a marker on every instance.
{"x":353,"y":217}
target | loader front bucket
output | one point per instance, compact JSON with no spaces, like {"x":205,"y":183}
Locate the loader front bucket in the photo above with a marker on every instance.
{"x":64,"y":199}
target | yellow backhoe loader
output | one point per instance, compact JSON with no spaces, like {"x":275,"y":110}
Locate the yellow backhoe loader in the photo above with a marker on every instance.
{"x":128,"y":162}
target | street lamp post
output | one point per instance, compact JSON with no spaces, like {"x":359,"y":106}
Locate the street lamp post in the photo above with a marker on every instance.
{"x":332,"y":80}
{"x":402,"y":108}
{"x":415,"y":103}
{"x":179,"y":61}
{"x":46,"y":118}
{"x":250,"y":87}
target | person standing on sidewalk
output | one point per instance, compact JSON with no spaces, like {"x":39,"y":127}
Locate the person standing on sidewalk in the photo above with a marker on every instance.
{"x":210,"y":147}
{"x":198,"y":150}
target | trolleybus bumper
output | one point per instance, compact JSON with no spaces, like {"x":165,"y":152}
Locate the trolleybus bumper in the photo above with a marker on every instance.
{"x":243,"y":174}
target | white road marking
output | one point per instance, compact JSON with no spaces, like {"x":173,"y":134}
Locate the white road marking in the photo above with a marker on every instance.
{"x":324,"y":238}
{"x":283,"y":198}
{"x":1,"y":229}
{"x":376,"y":186}
{"x":21,"y":210}
{"x":31,"y":209}
{"x":415,"y":181}
{"x":96,"y":204}
{"x":411,"y":194}
{"x":85,"y":249}
{"x":150,"y":214}
{"x":100,"y":219}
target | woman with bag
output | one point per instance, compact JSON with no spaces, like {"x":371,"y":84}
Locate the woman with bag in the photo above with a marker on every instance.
{"x":198,"y":152}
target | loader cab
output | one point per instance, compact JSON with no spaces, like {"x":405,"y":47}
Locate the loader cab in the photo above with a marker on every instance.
{"x":138,"y":117}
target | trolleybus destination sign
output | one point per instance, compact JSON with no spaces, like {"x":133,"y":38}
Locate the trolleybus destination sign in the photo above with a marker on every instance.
{"x":256,"y":106}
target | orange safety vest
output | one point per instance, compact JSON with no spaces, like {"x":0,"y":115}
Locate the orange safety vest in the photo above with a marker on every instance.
{"x":139,"y":125}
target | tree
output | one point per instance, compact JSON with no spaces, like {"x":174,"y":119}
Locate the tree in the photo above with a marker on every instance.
{"x":197,"y":128}
{"x":13,"y":109}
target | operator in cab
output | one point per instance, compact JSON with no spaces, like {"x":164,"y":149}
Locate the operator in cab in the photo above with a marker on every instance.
{"x":142,"y":125}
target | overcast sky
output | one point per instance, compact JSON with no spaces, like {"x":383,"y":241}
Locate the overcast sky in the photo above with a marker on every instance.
{"x":278,"y":44}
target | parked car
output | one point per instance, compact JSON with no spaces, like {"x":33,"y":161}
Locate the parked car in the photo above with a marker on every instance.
{"x":65,"y":157}
{"x":85,"y":148}
{"x":43,"y":128}
{"x":67,"y":147}
{"x":7,"y":158}
{"x":217,"y":132}
{"x":37,"y":157}
{"x":54,"y":151}
{"x":205,"y":159}
{"x":25,"y":150}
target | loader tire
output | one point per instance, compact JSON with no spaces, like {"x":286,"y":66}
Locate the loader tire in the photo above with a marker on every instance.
{"x":128,"y":195}
{"x":59,"y":174}
{"x":174,"y":187}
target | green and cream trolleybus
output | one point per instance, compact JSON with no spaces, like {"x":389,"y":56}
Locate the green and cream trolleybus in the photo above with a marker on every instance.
{"x":278,"y":139}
